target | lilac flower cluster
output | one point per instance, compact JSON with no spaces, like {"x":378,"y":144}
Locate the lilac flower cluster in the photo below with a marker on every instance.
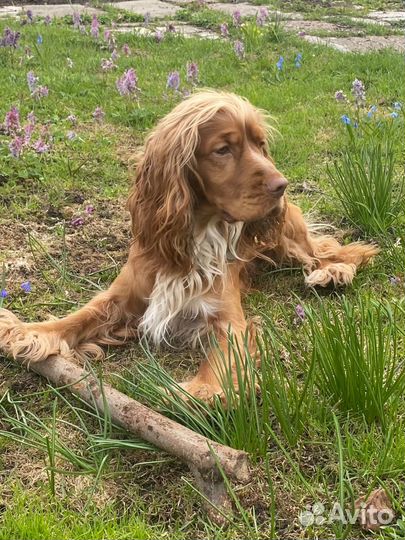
{"x":224,"y":29}
{"x":36,"y":90}
{"x":78,"y":221}
{"x":22,"y":135}
{"x":127,"y":85}
{"x":239,"y":49}
{"x":98,"y":115}
{"x":159,"y":36}
{"x":95,"y":27}
{"x":9,"y":38}
{"x":77,"y":21}
{"x":107,"y":64}
{"x":359,"y":93}
{"x":280,"y":63}
{"x":262,"y":16}
{"x":192,"y":72}
{"x":237,"y":18}
{"x":109,"y":37}
{"x":173,"y":81}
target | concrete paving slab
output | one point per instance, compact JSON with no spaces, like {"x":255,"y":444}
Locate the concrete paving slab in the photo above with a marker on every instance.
{"x":360,"y":44}
{"x":156,"y":8}
{"x":59,"y":10}
{"x":388,"y":16}
{"x":250,"y":10}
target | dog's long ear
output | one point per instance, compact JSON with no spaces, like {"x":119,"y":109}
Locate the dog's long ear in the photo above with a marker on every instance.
{"x":161,"y":201}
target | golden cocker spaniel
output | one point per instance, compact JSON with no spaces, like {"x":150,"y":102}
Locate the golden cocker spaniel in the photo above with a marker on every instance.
{"x":206,"y":200}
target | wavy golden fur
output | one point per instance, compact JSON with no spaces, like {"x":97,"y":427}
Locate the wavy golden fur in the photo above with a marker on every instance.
{"x":207,"y":199}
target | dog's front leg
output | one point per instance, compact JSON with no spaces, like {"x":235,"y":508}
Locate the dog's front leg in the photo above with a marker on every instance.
{"x":230,"y":333}
{"x":109,"y":318}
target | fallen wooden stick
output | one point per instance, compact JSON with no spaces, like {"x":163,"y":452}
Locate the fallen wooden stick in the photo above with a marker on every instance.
{"x":199,"y":453}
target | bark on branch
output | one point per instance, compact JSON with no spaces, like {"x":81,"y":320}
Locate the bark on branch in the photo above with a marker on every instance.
{"x":193,"y":449}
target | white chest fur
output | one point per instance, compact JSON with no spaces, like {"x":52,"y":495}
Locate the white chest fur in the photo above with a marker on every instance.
{"x":180,"y":307}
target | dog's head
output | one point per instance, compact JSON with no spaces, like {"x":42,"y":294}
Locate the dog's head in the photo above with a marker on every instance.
{"x":208,"y":157}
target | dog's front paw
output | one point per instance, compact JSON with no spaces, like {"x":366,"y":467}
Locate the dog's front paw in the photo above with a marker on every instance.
{"x":28,"y":342}
{"x":202,"y":391}
{"x":336,"y":274}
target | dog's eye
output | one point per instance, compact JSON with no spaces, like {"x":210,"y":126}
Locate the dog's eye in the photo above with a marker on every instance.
{"x":223,"y":150}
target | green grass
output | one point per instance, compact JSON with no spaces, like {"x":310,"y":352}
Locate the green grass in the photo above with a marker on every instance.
{"x":328,"y":423}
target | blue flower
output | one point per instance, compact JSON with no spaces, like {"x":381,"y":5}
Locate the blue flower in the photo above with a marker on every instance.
{"x":346,"y":120}
{"x":280,"y":63}
{"x":372,"y":110}
{"x":394,"y":114}
{"x":398,"y":105}
{"x":26,"y":286}
{"x":40,"y":39}
{"x":298,"y":60}
{"x":3,"y":293}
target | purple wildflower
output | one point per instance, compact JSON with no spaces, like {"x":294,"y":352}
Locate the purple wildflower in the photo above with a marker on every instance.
{"x":300,"y":312}
{"x":159,"y":36}
{"x":71,"y":135}
{"x":236,"y":18}
{"x":26,"y":287}
{"x":28,"y":130}
{"x":77,"y":222}
{"x":126,"y":50}
{"x":114,"y":55}
{"x":30,"y":15}
{"x":262,"y":16}
{"x":224,"y":29}
{"x":345,"y":119}
{"x":110,"y":39}
{"x":128,"y":83}
{"x":40,"y":146}
{"x":40,"y":39}
{"x":72,"y":119}
{"x":340,"y":96}
{"x":280,"y":63}
{"x":192,"y":72}
{"x":32,"y":81}
{"x":301,"y":33}
{"x":95,"y":27}
{"x":40,"y":92}
{"x":48,"y":20}
{"x":89,"y":209}
{"x":31,"y":118}
{"x":359,"y":92}
{"x":173,"y":80}
{"x":107,"y":65}
{"x":98,"y":114}
{"x":77,"y":21}
{"x":16,"y":146}
{"x":239,"y":49}
{"x":10,"y":38}
{"x":3,"y":293}
{"x":12,"y":120}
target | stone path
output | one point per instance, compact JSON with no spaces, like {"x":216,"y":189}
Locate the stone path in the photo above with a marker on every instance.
{"x":292,"y":22}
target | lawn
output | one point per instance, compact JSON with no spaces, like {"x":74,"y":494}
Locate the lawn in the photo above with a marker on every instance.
{"x":328,"y":425}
